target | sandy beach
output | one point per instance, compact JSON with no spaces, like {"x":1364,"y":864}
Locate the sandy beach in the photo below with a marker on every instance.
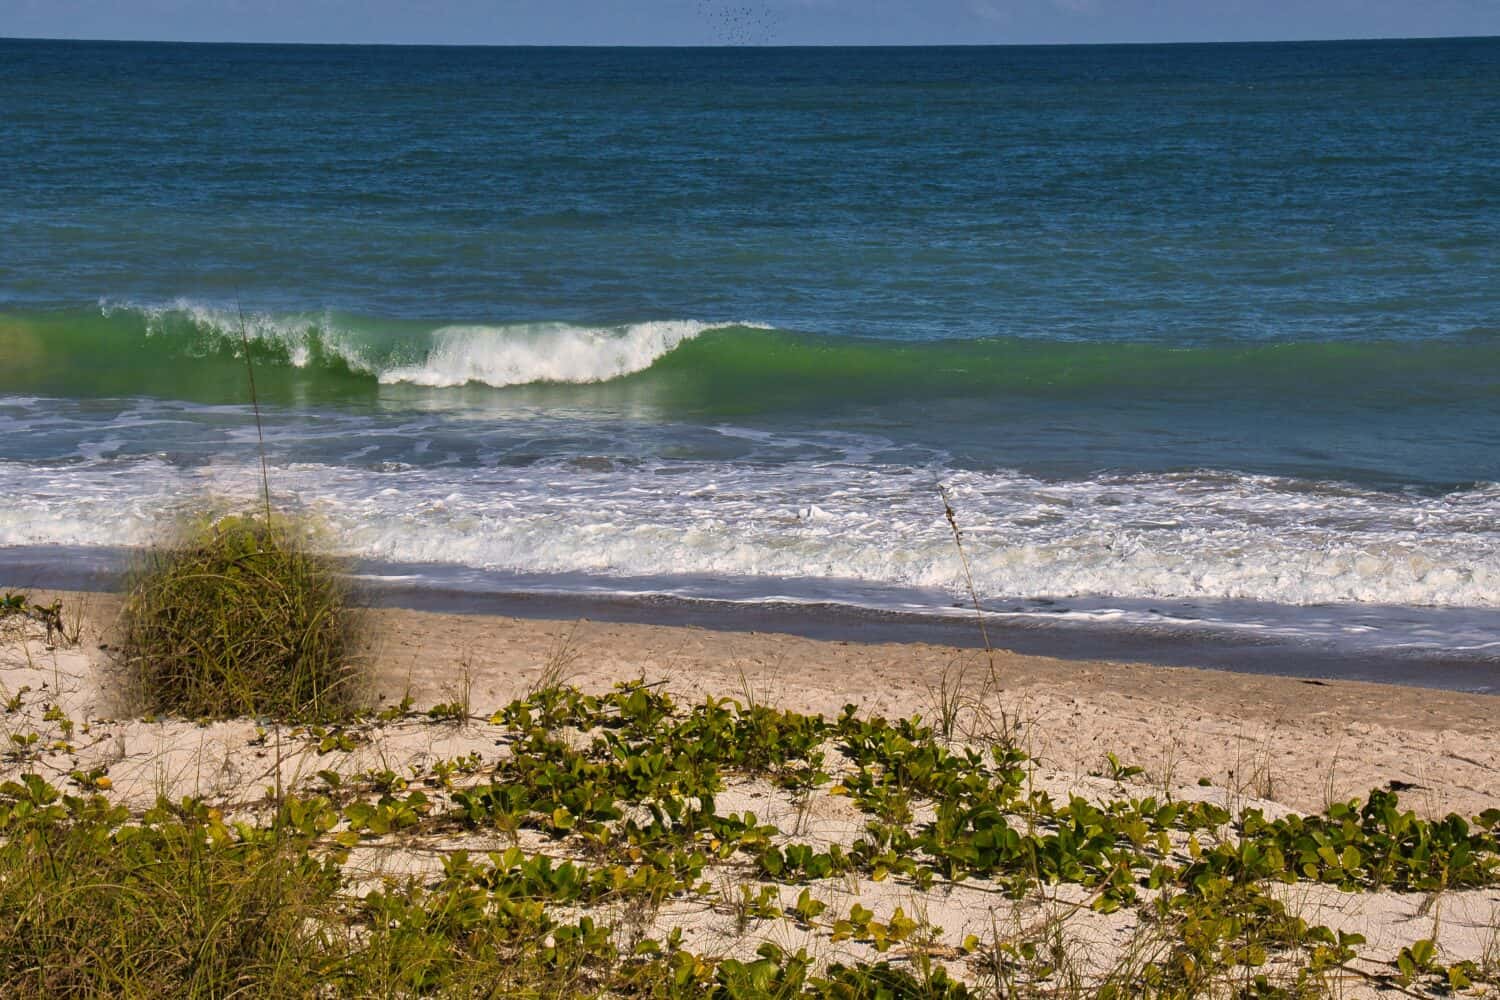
{"x":1309,"y":742}
{"x":1306,"y":742}
{"x":1280,"y":745}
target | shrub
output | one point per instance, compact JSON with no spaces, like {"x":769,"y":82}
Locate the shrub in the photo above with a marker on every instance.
{"x":239,"y":618}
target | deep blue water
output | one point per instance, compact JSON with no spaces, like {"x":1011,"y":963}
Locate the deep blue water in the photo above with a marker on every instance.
{"x":1205,"y":324}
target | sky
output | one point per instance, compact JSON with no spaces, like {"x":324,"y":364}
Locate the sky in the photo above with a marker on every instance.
{"x":744,"y":22}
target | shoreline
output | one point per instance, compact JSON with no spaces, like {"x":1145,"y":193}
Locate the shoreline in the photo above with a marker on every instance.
{"x":1211,"y":646}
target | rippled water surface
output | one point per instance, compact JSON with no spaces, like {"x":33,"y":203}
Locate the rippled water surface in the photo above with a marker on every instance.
{"x":1193,"y":336}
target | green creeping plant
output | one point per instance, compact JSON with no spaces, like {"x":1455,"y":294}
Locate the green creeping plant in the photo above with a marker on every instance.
{"x":775,"y":973}
{"x":802,"y":863}
{"x":626,"y":785}
{"x":388,"y":815}
{"x":1120,"y":772}
{"x":1376,"y":845}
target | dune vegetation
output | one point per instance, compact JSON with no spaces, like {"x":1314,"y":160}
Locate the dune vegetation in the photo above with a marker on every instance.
{"x":625,"y":843}
{"x":239,"y":617}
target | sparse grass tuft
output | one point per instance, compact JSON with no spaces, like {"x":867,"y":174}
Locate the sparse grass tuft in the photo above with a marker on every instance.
{"x":16,"y":608}
{"x":239,"y":618}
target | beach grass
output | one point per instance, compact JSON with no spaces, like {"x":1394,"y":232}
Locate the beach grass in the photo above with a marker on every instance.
{"x":100,"y":902}
{"x":240,"y":617}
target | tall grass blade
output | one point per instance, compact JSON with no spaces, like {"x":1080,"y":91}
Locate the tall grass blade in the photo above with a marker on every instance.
{"x":260,"y":434}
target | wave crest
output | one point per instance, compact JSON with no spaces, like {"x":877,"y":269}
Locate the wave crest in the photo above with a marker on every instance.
{"x":541,"y":352}
{"x":406,"y":352}
{"x":302,"y":339}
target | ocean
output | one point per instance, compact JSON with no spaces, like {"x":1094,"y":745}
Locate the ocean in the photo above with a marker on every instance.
{"x":1201,"y":342}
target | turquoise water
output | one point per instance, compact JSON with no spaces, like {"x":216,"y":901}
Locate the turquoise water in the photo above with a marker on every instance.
{"x":1191,"y":334}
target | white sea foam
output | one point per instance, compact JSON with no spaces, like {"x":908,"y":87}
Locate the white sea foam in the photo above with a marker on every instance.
{"x":1206,"y":537}
{"x":541,"y":352}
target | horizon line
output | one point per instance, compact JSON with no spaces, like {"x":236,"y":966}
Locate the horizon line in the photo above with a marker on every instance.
{"x":781,"y":45}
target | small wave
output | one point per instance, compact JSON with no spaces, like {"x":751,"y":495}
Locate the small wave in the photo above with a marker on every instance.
{"x":193,"y":350}
{"x":405,"y":352}
{"x":541,"y":352}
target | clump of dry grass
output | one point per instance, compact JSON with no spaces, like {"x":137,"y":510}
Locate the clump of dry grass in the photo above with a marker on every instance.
{"x":239,"y":618}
